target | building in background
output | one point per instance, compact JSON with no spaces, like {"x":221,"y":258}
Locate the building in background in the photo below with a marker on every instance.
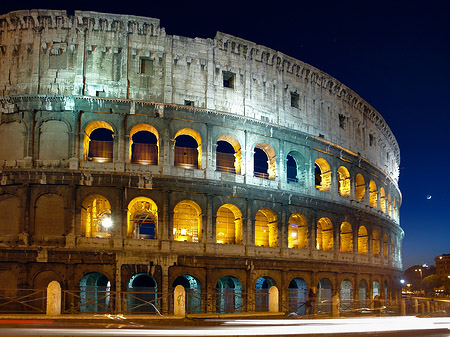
{"x":134,"y":161}
{"x":443,"y":265}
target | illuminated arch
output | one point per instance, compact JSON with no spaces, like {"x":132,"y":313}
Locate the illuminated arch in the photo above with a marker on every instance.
{"x":96,"y":217}
{"x":324,"y":238}
{"x":96,"y":149}
{"x":266,"y":228}
{"x":373,"y":194}
{"x":142,"y":219}
{"x":385,"y":246}
{"x":264,"y":170}
{"x":185,"y":156}
{"x":226,"y":161}
{"x":346,"y":295}
{"x":343,"y":182}
{"x":346,"y":235}
{"x":363,"y":241}
{"x":375,"y":242}
{"x":187,"y":221}
{"x":229,"y":225}
{"x":322,"y":173}
{"x":383,"y":200}
{"x":360,"y":187}
{"x":298,"y":231}
{"x":143,"y":152}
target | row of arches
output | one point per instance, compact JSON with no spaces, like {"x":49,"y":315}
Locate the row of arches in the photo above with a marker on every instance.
{"x":144,"y":296}
{"x":142,"y":222}
{"x":144,"y":143}
{"x":378,"y":198}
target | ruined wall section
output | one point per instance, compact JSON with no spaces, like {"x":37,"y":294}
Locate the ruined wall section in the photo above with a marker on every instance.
{"x":326,"y":108}
{"x":128,"y":57}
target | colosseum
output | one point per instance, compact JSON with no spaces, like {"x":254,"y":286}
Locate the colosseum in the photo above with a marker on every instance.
{"x":133,"y":161}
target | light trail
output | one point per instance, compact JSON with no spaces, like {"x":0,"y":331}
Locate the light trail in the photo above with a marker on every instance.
{"x":287,"y":327}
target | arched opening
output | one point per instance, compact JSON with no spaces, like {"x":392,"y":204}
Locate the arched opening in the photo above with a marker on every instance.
{"x":261,"y":168}
{"x":188,"y":149}
{"x":266,"y":228}
{"x":324,"y":237}
{"x":142,"y":295}
{"x":343,"y":182}
{"x":228,"y":155}
{"x":193,"y":289}
{"x":346,"y":296}
{"x":385,"y":246}
{"x":228,"y":295}
{"x":142,"y":219}
{"x":99,"y":142}
{"x":291,"y":169}
{"x":96,"y":220}
{"x":382,"y":200}
{"x":144,"y":143}
{"x":229,"y":225}
{"x":95,"y":296}
{"x":298,"y":231}
{"x":346,"y":235}
{"x":297,"y":295}
{"x":363,"y":241}
{"x":264,"y":161}
{"x":43,"y":278}
{"x":262,"y":287}
{"x":360,"y":187}
{"x":363,"y":294}
{"x":373,"y":194}
{"x":324,"y":295}
{"x":187,"y":221}
{"x":322,"y":174}
{"x":376,"y":291}
{"x":375,"y":242}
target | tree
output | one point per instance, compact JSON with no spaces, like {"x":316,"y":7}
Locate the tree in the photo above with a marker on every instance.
{"x":431,"y":282}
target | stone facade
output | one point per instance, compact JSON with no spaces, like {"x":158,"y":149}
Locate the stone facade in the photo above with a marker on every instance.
{"x":78,"y":91}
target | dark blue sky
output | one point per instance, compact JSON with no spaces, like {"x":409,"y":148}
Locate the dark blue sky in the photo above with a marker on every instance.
{"x":394,"y":54}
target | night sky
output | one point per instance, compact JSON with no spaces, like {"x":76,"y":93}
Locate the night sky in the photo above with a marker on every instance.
{"x":394,"y":54}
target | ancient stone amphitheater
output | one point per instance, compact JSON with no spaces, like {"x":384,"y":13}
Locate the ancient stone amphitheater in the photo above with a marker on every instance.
{"x":133,"y":161}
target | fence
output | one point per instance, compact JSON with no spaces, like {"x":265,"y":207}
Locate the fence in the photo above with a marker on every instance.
{"x":34,"y":301}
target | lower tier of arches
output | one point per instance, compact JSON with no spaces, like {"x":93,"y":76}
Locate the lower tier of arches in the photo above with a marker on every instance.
{"x":97,"y":282}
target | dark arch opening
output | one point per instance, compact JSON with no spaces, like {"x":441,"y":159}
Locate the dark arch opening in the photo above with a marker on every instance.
{"x":228,"y":295}
{"x":262,"y":288}
{"x":260,"y":164}
{"x":291,"y":166}
{"x":186,"y":152}
{"x":101,"y":145}
{"x":144,"y":148}
{"x":142,"y":295}
{"x":95,"y":294}
{"x":297,"y":296}
{"x":193,"y":290}
{"x":225,"y":157}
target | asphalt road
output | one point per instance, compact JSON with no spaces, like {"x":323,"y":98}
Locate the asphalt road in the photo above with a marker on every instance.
{"x":374,"y":326}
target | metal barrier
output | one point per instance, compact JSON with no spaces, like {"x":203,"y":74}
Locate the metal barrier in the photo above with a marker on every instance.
{"x":88,"y":302}
{"x":30,"y":301}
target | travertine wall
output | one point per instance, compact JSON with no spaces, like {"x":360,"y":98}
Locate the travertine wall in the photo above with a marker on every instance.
{"x":61,"y":77}
{"x":94,"y":54}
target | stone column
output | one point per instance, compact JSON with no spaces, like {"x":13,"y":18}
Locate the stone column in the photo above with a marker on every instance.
{"x":179,"y":306}
{"x":54,"y":298}
{"x":273,"y":299}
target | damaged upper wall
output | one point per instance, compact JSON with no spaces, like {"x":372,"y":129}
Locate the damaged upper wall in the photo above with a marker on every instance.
{"x":120,"y":56}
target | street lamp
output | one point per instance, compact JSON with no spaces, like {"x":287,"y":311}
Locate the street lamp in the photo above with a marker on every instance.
{"x":420,"y":272}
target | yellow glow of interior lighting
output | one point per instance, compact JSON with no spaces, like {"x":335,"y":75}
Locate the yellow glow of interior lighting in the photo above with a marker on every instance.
{"x":183,"y":231}
{"x":294,"y":234}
